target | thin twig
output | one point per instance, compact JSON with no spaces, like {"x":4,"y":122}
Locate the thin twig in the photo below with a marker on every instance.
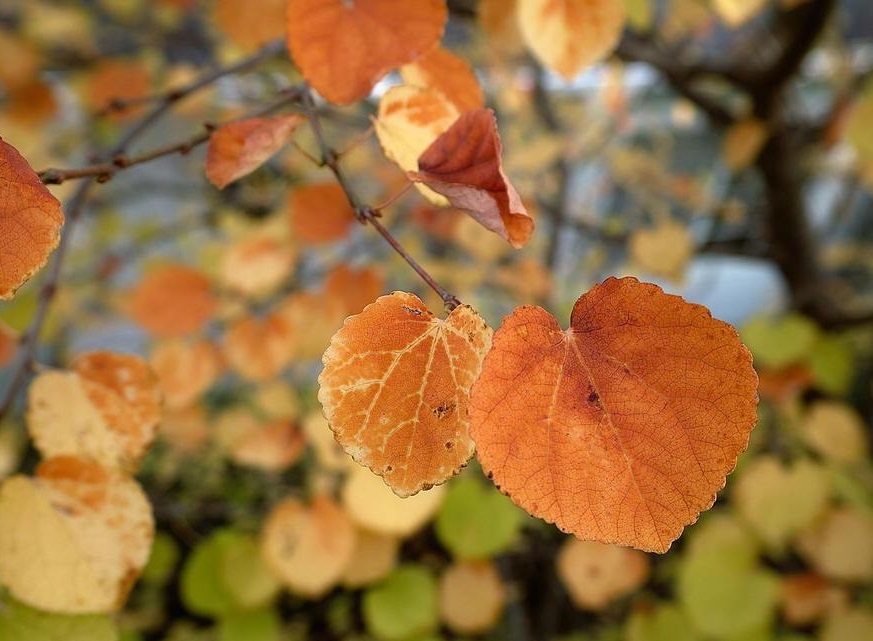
{"x":104,"y":171}
{"x":30,"y":339}
{"x":365,"y":213}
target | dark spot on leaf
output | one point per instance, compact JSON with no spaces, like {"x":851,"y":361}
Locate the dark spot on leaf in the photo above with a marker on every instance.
{"x":412,"y":310}
{"x":449,"y":445}
{"x":444,"y":409}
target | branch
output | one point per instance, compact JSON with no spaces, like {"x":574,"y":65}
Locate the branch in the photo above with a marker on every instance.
{"x":680,"y":75}
{"x":104,"y":171}
{"x":30,"y":339}
{"x":365,"y":213}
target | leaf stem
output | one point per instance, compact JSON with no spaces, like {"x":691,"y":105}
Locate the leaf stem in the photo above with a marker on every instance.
{"x":29,"y":340}
{"x":365,"y":213}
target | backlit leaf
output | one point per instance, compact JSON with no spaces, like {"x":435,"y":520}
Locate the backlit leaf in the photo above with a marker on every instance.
{"x":395,"y":389}
{"x":308,"y":547}
{"x":403,"y":606}
{"x":408,"y":121}
{"x":238,"y":148}
{"x":74,"y":538}
{"x":569,"y":35}
{"x":30,"y":221}
{"x":463,"y":164}
{"x":622,"y":428}
{"x":343,"y":48}
{"x":449,"y":74}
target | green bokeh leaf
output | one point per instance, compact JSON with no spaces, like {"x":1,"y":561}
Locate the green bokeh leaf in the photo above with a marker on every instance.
{"x":476,"y":521}
{"x":664,"y":623}
{"x":402,"y":606}
{"x":19,"y":622}
{"x":258,"y":625}
{"x":162,"y":561}
{"x":225,"y":574}
{"x":780,"y":342}
{"x":832,"y":365}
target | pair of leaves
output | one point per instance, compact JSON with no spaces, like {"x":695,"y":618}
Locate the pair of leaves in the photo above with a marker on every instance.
{"x":620,"y":429}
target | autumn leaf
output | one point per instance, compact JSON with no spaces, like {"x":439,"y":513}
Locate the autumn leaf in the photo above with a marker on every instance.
{"x":258,"y":349}
{"x":74,"y":538}
{"x":171,"y":300}
{"x":449,"y":74}
{"x":257,"y":265}
{"x":395,"y":389}
{"x":595,"y":574}
{"x":743,"y":142}
{"x":238,"y":148}
{"x":374,"y":557}
{"x":354,"y":288}
{"x":567,"y":36}
{"x":463,"y":164}
{"x":185,"y":370}
{"x":471,"y":597}
{"x":622,"y":428}
{"x":106,"y":409}
{"x":250,"y":25}
{"x":308,"y":546}
{"x":408,"y":121}
{"x":30,"y":221}
{"x":343,"y":48}
{"x":319,"y":213}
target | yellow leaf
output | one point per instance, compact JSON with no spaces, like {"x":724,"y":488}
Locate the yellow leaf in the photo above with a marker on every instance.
{"x":472,"y":597}
{"x":569,"y":35}
{"x":74,"y":538}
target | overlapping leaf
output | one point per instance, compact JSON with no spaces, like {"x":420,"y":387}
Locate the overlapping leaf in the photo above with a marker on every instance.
{"x":395,"y":389}
{"x":622,"y":428}
{"x":464,"y":165}
{"x":343,"y":48}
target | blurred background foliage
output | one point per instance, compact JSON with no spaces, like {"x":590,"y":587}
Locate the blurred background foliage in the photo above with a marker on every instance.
{"x":725,"y":151}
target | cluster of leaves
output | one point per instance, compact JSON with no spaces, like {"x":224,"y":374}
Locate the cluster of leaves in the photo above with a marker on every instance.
{"x":619,"y":429}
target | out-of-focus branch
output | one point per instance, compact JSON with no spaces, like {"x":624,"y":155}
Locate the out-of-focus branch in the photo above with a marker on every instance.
{"x":29,"y":341}
{"x":365,"y":213}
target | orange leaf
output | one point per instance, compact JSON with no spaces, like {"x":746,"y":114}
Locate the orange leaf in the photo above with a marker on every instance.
{"x":320,"y":213}
{"x":114,"y":80}
{"x":185,"y":370}
{"x":464,"y":165}
{"x":569,"y":35}
{"x":238,"y":148}
{"x":343,"y":48}
{"x":449,"y":74}
{"x":248,"y":24}
{"x":172,"y":300}
{"x":354,"y":288}
{"x":395,"y":389}
{"x":30,"y":221}
{"x":622,"y":428}
{"x":260,"y":349}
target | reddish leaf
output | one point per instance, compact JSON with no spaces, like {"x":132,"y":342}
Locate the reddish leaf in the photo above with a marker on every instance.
{"x":395,"y":389}
{"x":464,"y":165}
{"x":343,"y":48}
{"x":30,"y":221}
{"x":238,"y":148}
{"x":622,"y":428}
